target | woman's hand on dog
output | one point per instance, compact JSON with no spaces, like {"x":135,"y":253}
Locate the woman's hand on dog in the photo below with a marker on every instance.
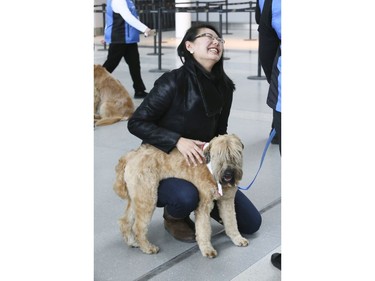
{"x":191,"y":150}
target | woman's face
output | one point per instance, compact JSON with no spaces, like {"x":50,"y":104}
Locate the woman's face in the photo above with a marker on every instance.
{"x":206,"y":48}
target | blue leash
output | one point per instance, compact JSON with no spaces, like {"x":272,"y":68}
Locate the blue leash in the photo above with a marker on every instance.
{"x":273,"y":133}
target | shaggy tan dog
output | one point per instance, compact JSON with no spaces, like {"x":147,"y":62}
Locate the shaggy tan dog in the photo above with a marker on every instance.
{"x":137,"y":178}
{"x":112,"y":102}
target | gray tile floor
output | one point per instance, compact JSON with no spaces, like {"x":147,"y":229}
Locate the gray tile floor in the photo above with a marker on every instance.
{"x":250,"y":119}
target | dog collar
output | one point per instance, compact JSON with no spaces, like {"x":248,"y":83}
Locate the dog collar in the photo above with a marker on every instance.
{"x":219,"y":187}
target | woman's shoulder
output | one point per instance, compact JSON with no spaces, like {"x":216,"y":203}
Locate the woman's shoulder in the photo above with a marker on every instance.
{"x":172,"y":75}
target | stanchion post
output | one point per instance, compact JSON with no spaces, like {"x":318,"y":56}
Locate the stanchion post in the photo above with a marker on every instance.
{"x":221,"y":20}
{"x":226,"y":17}
{"x":197,"y":11}
{"x":259,"y":76}
{"x":154,"y":24}
{"x":103,"y":13}
{"x":251,"y":18}
{"x":159,"y":69}
{"x":221,"y":25}
{"x":250,"y":26}
{"x":207,"y":12}
{"x":251,"y":10}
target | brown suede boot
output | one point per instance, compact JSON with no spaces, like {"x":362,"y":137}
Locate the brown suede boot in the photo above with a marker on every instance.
{"x":181,"y":229}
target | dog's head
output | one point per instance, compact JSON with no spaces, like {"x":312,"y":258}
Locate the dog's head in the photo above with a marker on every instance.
{"x":225,"y":155}
{"x":100,"y":73}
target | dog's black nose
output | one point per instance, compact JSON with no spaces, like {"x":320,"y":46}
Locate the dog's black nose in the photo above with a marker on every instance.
{"x":228,"y":176}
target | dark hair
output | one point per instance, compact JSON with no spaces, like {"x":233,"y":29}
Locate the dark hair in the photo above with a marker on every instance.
{"x":186,"y":56}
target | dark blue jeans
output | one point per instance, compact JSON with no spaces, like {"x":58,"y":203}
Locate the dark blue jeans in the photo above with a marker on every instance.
{"x":181,"y":197}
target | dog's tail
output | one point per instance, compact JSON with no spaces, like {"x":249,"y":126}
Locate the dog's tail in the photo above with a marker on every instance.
{"x":120,"y":185}
{"x":108,"y":121}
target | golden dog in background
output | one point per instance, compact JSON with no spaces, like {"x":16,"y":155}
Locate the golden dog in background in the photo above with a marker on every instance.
{"x":112,"y":102}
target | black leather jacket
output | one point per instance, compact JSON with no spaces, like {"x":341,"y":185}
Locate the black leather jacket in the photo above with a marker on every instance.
{"x":186,"y":102}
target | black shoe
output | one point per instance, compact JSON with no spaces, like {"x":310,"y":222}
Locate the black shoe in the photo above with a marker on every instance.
{"x":276,"y":260}
{"x":140,"y":94}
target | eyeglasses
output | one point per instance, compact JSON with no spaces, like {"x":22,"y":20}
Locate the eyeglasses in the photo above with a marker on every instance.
{"x":211,"y":37}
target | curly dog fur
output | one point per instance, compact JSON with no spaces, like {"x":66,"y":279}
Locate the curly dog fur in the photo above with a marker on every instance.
{"x":139,"y":172}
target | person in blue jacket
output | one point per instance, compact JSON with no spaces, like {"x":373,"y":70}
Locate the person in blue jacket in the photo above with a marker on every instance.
{"x":269,"y":29}
{"x":122,"y":34}
{"x":268,"y":16}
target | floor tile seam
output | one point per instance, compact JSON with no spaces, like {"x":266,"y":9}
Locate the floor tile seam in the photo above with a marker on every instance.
{"x":184,"y":255}
{"x":270,"y":205}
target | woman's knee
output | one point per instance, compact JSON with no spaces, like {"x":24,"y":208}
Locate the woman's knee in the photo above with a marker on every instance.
{"x":179,"y":196}
{"x":249,"y":219}
{"x":185,"y":202}
{"x":252,"y":225}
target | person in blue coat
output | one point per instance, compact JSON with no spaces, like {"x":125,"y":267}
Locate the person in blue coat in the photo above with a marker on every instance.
{"x":268,"y":16}
{"x":122,"y":34}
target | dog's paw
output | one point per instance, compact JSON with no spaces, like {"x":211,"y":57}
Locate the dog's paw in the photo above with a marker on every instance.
{"x":240,"y":241}
{"x":133,"y":245}
{"x":209,"y":252}
{"x":130,"y":240}
{"x":152,"y":249}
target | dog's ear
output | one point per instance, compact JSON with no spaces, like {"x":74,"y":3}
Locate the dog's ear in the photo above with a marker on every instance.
{"x":207,"y":154}
{"x":239,"y":140}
